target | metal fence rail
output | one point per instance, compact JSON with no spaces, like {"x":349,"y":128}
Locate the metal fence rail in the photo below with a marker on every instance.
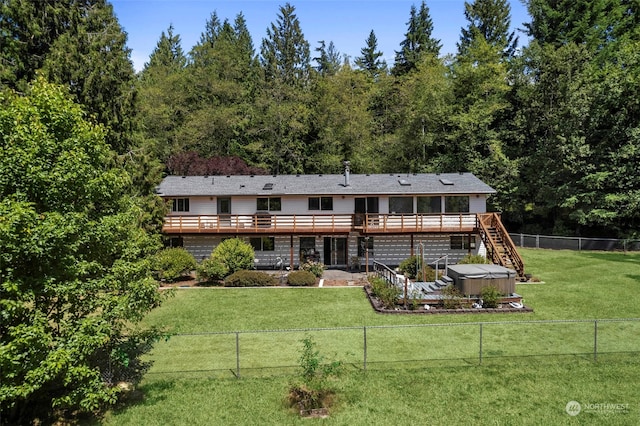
{"x":261,"y":352}
{"x":574,"y":243}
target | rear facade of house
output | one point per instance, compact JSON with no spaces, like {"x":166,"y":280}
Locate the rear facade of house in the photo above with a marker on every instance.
{"x":339,"y":220}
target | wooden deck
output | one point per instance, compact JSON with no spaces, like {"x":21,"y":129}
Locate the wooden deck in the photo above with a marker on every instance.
{"x":319,"y":224}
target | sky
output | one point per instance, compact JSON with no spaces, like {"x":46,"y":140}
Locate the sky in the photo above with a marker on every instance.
{"x":347,"y":23}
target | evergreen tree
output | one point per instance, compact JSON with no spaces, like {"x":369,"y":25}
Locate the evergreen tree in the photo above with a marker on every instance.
{"x":370,"y":61}
{"x":285,"y":52}
{"x":418,"y":41}
{"x":489,"y":19}
{"x":162,"y":94}
{"x":329,"y":59}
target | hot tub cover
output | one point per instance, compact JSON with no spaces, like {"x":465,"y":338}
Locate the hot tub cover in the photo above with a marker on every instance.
{"x":478,"y":271}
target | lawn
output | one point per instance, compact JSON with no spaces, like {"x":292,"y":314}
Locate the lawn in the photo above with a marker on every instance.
{"x":415,"y":374}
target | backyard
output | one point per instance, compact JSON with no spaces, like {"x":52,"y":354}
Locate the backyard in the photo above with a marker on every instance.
{"x":404,"y":369}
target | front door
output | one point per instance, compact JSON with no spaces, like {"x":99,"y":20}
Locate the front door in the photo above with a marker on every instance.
{"x":335,"y":251}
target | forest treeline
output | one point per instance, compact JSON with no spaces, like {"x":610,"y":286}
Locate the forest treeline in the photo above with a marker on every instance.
{"x":553,"y":126}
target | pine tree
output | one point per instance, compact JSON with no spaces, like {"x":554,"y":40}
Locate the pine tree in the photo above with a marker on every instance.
{"x":329,"y":59}
{"x":285,"y":52}
{"x":418,"y":41}
{"x":491,"y":20}
{"x":370,"y":60}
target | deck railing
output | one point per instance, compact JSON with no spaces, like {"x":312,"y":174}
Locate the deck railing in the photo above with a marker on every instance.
{"x":277,"y":223}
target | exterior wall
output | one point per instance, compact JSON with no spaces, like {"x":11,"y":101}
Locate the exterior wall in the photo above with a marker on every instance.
{"x":388,"y":249}
{"x":300,"y":205}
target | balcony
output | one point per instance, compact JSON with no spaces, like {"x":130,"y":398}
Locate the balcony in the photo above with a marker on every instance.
{"x":265,"y":223}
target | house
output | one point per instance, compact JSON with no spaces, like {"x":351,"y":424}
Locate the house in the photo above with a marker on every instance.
{"x":339,"y":220}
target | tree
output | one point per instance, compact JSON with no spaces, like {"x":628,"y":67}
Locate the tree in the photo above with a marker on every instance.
{"x":418,"y":41}
{"x":285,"y":52}
{"x":491,"y":20}
{"x":283,"y":102}
{"x":162,"y":99}
{"x":370,"y":60}
{"x":73,"y":268}
{"x":329,"y":59}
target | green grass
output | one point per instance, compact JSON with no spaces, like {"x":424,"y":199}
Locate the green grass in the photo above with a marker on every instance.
{"x":415,"y":374}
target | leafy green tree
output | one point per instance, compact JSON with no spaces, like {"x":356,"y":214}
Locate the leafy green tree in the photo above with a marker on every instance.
{"x":370,"y":61}
{"x":73,"y":271}
{"x":340,"y":122}
{"x":418,"y":41}
{"x":491,"y":20}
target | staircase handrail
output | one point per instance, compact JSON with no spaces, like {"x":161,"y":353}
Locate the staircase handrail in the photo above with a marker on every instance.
{"x":494,"y":221}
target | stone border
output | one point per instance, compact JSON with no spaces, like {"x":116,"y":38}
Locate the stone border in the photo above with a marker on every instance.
{"x":379,"y":309}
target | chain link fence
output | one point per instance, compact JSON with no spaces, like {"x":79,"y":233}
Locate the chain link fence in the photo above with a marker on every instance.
{"x":273,"y":352}
{"x":574,"y":243}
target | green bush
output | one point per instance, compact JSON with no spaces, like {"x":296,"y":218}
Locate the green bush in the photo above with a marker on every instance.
{"x":250,"y":279}
{"x":473,"y":259}
{"x":171,"y":264}
{"x":316,"y":268}
{"x":385,"y":292}
{"x":234,"y":254}
{"x":301,"y":278}
{"x":210,"y":270}
{"x":452,"y":298}
{"x":409,"y":267}
{"x":490,"y":296}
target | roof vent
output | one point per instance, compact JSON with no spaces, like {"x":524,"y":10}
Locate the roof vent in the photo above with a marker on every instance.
{"x":267,"y":187}
{"x":445,"y":181}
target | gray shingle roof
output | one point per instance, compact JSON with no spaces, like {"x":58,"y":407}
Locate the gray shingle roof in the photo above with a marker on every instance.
{"x":359,"y":184}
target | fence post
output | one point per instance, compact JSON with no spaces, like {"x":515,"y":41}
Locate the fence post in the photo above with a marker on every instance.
{"x":579,"y":244}
{"x":237,"y":355}
{"x":595,"y":340}
{"x":365,"y":348}
{"x":480,"y":353}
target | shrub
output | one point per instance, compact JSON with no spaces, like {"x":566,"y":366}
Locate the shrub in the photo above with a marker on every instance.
{"x":250,"y":279}
{"x":211,"y":270}
{"x":385,"y":292}
{"x":234,"y":254}
{"x":490,"y":296}
{"x":172,"y":264}
{"x":301,"y":278}
{"x":452,"y":298}
{"x":429,"y":274}
{"x":313,"y":391}
{"x":316,"y":268}
{"x":409,"y":266}
{"x":473,"y":259}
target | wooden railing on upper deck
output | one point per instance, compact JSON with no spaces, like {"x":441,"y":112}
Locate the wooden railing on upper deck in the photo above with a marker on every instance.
{"x":281,"y":224}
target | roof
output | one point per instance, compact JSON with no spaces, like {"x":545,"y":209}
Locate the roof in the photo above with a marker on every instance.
{"x":334,"y":184}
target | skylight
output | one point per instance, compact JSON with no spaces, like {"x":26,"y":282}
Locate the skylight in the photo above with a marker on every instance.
{"x":445,"y":181}
{"x":404,"y":182}
{"x":267,"y":187}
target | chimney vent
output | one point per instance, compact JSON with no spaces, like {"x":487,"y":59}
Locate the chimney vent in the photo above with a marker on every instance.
{"x":346,"y":172}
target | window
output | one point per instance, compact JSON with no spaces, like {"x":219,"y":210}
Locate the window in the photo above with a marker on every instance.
{"x":180,"y":205}
{"x":321,"y":203}
{"x":456,"y":204}
{"x":364,"y":244}
{"x":269,"y":204}
{"x":400,"y":205}
{"x":263,"y":243}
{"x":429,"y":205}
{"x":463,"y":242}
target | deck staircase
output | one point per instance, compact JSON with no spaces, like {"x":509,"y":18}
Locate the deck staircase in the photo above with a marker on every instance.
{"x":500,"y":248}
